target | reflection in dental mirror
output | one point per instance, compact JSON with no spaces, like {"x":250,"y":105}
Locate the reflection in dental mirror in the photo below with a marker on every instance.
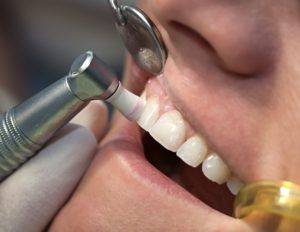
{"x":141,"y":37}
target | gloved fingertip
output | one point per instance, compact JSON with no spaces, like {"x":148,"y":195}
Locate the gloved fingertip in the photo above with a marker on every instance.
{"x":33,"y":194}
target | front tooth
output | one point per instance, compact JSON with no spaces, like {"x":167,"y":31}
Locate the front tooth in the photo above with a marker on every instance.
{"x":215,"y":169}
{"x":169,"y":130}
{"x":150,"y":114}
{"x":193,"y":151}
{"x":234,"y":185}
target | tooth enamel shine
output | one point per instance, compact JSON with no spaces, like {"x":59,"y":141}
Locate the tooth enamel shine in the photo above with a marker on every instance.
{"x":169,"y":130}
{"x":234,"y":185}
{"x":150,"y":114}
{"x":215,"y":169}
{"x":193,"y":151}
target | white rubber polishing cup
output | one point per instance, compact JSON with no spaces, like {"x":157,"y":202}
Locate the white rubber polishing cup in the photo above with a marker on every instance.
{"x":129,"y":104}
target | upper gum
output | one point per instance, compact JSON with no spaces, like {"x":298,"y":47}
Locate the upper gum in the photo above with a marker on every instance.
{"x":155,"y":89}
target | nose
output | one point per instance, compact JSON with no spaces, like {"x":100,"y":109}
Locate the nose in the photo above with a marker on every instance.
{"x":239,"y":33}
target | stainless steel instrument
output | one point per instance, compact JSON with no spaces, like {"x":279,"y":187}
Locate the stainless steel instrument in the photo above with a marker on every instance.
{"x":27,"y":127}
{"x":140,"y":36}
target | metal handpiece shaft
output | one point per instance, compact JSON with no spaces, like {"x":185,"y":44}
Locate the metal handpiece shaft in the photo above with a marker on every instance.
{"x":27,"y":127}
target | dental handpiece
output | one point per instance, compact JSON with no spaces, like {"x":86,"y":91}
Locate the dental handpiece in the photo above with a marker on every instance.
{"x":26,"y":128}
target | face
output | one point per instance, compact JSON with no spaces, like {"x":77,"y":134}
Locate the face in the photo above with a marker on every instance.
{"x":227,"y":102}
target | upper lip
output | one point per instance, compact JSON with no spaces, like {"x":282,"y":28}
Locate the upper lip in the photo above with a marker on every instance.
{"x":188,"y":39}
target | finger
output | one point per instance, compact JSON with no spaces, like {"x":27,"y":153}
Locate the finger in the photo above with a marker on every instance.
{"x":34,"y":193}
{"x":94,"y":117}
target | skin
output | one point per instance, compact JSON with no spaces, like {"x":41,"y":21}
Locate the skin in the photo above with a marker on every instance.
{"x":232,"y":70}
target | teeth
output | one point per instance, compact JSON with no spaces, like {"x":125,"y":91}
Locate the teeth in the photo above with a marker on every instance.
{"x":234,"y":185}
{"x":150,"y":114}
{"x":193,"y":151}
{"x":215,"y":169}
{"x":169,"y":130}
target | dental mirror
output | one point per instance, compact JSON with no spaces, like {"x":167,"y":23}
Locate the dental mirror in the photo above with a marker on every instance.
{"x":141,"y":37}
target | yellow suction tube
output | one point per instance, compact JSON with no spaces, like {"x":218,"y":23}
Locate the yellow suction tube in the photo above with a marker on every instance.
{"x":269,"y":206}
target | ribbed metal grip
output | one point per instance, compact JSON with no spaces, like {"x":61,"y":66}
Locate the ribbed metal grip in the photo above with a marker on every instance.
{"x":15,"y":147}
{"x":28,"y":126}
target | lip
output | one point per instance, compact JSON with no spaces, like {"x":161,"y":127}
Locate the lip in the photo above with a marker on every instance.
{"x":129,"y":143}
{"x":130,"y":137}
{"x":129,"y":151}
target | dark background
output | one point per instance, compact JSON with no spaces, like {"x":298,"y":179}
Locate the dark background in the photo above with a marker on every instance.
{"x":39,"y":39}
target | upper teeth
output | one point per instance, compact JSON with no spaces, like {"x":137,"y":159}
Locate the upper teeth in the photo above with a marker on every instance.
{"x":234,"y":185}
{"x":150,"y":114}
{"x":215,"y":169}
{"x":193,"y":151}
{"x":169,"y":129}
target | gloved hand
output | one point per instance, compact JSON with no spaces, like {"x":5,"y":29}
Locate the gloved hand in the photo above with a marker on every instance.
{"x":34,"y":193}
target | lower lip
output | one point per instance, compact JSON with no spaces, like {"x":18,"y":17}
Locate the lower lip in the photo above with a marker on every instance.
{"x":134,"y":157}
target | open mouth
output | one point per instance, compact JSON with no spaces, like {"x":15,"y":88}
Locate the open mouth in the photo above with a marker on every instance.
{"x":177,"y":151}
{"x":191,"y":179}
